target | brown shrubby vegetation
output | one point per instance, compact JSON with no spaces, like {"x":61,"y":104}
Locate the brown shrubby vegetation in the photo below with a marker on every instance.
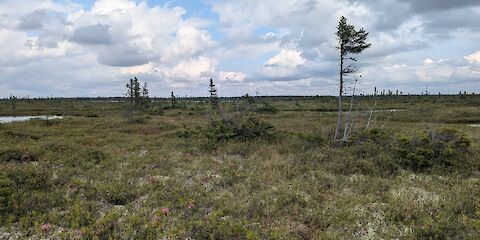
{"x":264,"y":176}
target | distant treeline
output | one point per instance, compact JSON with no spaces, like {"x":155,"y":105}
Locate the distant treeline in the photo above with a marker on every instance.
{"x":279,"y":97}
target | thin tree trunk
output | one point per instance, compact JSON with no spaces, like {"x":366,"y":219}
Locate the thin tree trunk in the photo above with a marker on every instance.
{"x":340,"y":93}
{"x":347,"y":131}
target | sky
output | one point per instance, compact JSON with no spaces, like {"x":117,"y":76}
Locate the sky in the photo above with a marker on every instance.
{"x":88,"y":48}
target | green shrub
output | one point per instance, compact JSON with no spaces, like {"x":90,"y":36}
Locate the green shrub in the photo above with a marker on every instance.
{"x":247,"y":128}
{"x":94,"y":156}
{"x":6,"y":192}
{"x":375,"y":135}
{"x":217,"y":226}
{"x":17,"y":155}
{"x":31,"y":178}
{"x":118,"y":193}
{"x":267,"y":108}
{"x":81,"y":214}
{"x":188,"y":132}
{"x":107,"y":226}
{"x":137,"y":118}
{"x":444,"y":149}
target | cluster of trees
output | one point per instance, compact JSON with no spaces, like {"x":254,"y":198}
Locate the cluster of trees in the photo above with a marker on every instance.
{"x":138,"y":95}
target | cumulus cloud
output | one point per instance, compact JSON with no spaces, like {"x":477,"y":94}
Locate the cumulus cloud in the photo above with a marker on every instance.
{"x":428,"y":61}
{"x":95,"y":34}
{"x":473,"y":58}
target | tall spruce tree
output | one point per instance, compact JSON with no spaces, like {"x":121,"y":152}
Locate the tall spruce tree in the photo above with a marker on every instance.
{"x":350,"y":42}
{"x":213,"y":95}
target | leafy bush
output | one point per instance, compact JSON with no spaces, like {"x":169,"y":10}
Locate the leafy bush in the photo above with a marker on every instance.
{"x":444,"y":149}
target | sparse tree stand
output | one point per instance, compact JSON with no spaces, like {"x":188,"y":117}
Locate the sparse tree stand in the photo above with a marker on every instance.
{"x":213,"y":96}
{"x":137,"y":95}
{"x":350,"y":41}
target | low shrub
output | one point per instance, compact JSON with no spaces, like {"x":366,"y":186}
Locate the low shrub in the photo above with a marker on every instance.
{"x":444,"y":149}
{"x":267,"y":108}
{"x":17,"y":155}
{"x":6,"y":193}
{"x":87,"y":158}
{"x":138,"y":119}
{"x":374,"y":135}
{"x":118,"y":193}
{"x":245,"y":129}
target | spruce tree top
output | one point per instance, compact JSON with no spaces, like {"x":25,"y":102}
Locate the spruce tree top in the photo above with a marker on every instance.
{"x":351,"y":41}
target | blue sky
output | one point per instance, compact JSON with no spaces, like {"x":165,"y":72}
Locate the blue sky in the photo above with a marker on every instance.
{"x":91,"y":47}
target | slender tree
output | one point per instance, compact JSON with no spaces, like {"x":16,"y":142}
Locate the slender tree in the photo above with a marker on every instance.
{"x":173,"y":100}
{"x":350,"y":42}
{"x":213,"y":95}
{"x":136,"y":91}
{"x":130,"y":92}
{"x":145,"y":97}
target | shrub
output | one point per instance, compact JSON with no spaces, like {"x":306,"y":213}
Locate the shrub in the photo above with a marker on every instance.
{"x":247,"y":128}
{"x":118,"y":193}
{"x":87,"y":158}
{"x":16,"y":155}
{"x":444,"y":149}
{"x":92,"y":155}
{"x":6,"y":192}
{"x":374,"y":135}
{"x":267,"y":108}
{"x":188,"y":132}
{"x":107,"y":226}
{"x":138,"y":119}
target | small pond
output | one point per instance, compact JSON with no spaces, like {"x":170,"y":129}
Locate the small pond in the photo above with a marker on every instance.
{"x":9,"y":119}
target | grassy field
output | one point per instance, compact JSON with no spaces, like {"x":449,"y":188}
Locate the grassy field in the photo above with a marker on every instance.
{"x":104,"y":172}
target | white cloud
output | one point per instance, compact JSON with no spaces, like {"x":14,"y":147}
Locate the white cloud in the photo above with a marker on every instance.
{"x":285,"y":63}
{"x":280,"y":45}
{"x":473,"y":58}
{"x":189,"y":72}
{"x":231,"y":76}
{"x":428,"y":61}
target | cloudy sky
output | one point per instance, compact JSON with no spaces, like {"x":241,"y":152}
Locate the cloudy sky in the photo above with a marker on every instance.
{"x":91,"y":48}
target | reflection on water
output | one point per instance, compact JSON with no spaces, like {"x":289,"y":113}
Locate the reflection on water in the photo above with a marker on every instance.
{"x":9,"y":119}
{"x":474,"y":125}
